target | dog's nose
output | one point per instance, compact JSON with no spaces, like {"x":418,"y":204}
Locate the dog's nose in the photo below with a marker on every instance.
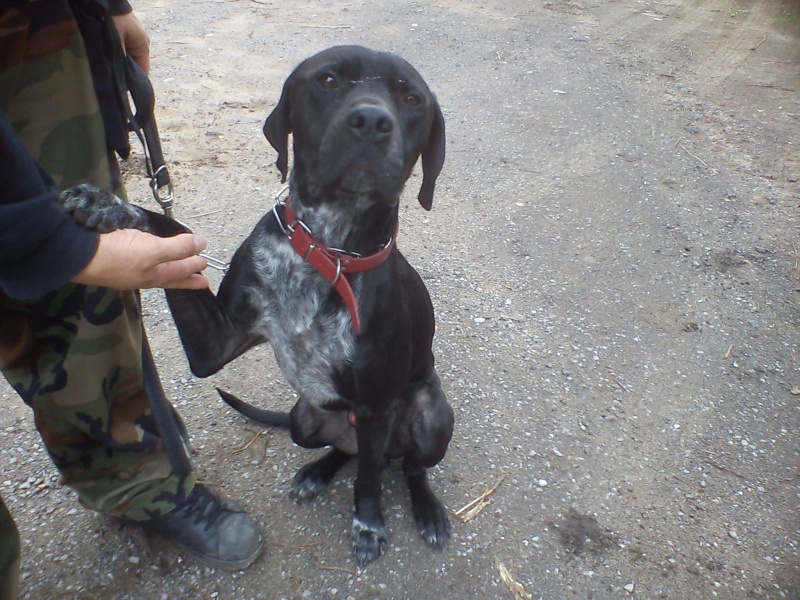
{"x":369,"y":121}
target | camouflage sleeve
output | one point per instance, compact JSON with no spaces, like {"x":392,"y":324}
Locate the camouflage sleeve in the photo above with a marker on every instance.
{"x":41,"y":247}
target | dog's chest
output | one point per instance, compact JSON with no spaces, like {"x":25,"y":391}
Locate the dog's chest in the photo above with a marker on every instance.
{"x":310,"y":342}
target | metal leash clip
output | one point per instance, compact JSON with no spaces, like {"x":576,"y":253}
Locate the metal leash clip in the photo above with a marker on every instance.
{"x":221,"y":265}
{"x":215,"y":263}
{"x":165,"y":200}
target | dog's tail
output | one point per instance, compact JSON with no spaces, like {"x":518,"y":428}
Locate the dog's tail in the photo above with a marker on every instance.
{"x":267,"y":417}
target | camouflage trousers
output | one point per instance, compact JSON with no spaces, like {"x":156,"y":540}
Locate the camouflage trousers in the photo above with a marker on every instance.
{"x":74,"y":355}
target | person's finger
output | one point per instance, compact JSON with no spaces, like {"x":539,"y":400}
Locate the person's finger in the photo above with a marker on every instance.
{"x":181,"y":273}
{"x":178,"y":247}
{"x":193,"y":282}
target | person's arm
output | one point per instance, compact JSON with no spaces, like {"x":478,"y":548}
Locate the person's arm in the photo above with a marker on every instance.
{"x":134,"y":38}
{"x":42,"y":247}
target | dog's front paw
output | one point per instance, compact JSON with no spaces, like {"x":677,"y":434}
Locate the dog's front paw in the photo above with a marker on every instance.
{"x":432,"y":522}
{"x":100,"y":210}
{"x":369,"y":541}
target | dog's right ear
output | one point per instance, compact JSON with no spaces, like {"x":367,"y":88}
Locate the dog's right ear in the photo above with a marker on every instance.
{"x":277,"y":128}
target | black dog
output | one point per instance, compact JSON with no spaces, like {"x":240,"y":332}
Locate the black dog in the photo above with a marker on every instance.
{"x":321,"y":279}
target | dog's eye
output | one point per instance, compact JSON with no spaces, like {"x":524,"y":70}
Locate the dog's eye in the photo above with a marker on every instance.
{"x":412,"y":100}
{"x":328,"y":81}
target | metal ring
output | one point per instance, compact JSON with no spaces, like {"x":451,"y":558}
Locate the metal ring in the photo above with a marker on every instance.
{"x":280,"y":193}
{"x":283,"y":227}
{"x":338,"y":270}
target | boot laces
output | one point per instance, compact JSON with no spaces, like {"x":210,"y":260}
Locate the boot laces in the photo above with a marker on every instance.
{"x":202,"y":506}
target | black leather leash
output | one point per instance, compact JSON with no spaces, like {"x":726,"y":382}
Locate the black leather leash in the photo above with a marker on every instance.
{"x":143,"y":123}
{"x":170,"y":426}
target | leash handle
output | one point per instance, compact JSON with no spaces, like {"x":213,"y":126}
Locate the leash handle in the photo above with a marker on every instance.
{"x":143,"y":123}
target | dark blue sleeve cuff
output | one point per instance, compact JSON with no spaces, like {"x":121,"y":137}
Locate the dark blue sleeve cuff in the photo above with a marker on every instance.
{"x":41,"y":254}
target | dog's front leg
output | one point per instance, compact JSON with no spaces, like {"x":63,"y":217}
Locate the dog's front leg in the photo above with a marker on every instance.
{"x":369,"y":528}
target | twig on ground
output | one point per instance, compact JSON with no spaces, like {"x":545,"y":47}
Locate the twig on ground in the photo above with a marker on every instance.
{"x":474,"y":508}
{"x":774,"y":87}
{"x":515,"y":587}
{"x":340,"y":569}
{"x":713,"y":463}
{"x":320,"y":26}
{"x":315,"y":559}
{"x":206,"y":214}
{"x":759,"y":43}
{"x":250,"y":443}
{"x":693,"y":156}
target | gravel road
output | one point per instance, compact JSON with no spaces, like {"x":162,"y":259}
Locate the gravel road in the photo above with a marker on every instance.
{"x":613,"y":260}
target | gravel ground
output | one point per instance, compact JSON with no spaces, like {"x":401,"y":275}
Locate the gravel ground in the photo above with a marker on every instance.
{"x":613,"y":259}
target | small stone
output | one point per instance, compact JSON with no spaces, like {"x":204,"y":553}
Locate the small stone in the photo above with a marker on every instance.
{"x":479,"y":320}
{"x":134,"y":560}
{"x":733,"y":534}
{"x":628,"y":587}
{"x":542,"y":483}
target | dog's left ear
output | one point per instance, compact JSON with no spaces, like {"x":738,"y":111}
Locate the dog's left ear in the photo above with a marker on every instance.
{"x":432,"y":158}
{"x":277,"y":128}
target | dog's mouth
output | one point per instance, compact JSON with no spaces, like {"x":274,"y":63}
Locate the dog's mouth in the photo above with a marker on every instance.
{"x":364,"y":176}
{"x":358,"y":178}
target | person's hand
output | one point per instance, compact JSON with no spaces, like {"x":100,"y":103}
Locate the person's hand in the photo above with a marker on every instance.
{"x":134,"y":39}
{"x":129,"y":259}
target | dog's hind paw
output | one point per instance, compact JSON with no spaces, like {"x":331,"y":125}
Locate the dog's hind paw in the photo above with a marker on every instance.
{"x":368,"y":542}
{"x":100,"y":210}
{"x":314,"y":477}
{"x":306,"y":485}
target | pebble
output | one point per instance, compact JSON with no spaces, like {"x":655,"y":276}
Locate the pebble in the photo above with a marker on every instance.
{"x":542,"y":483}
{"x":628,"y":588}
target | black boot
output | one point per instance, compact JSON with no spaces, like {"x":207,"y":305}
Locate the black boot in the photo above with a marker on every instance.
{"x":212,"y":528}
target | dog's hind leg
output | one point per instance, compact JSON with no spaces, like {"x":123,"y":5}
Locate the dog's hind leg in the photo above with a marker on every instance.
{"x":315,"y":476}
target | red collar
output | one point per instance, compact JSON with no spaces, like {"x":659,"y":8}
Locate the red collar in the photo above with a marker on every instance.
{"x":332,"y":263}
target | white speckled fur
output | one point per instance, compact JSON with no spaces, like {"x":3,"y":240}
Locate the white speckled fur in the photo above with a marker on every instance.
{"x":308,"y":347}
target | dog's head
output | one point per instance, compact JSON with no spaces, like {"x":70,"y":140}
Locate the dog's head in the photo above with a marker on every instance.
{"x":360,"y":120}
